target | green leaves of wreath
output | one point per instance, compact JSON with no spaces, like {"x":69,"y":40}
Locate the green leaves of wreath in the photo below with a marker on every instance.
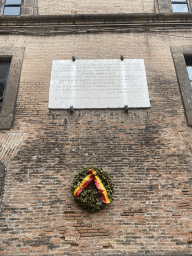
{"x":90,"y":198}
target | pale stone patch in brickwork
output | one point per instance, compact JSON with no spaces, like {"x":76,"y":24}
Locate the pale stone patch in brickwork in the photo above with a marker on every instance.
{"x":15,"y":41}
{"x":10,"y":144}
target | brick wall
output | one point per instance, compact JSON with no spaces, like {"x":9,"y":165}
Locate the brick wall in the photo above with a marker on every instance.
{"x":147,"y":153}
{"x":94,"y":7}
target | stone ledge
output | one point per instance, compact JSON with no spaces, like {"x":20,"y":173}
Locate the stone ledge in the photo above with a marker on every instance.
{"x":134,"y":19}
{"x":119,"y":23}
{"x":142,"y":254}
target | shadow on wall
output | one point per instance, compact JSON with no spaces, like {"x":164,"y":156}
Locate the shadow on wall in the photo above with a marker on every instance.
{"x":2,"y":180}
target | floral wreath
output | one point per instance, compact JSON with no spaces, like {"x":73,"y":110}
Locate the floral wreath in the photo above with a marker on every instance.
{"x":92,"y":189}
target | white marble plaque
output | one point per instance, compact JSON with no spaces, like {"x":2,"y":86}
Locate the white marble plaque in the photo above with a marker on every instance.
{"x":100,"y":83}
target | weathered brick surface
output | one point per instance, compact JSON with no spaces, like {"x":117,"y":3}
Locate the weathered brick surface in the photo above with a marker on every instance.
{"x":147,"y":153}
{"x":94,"y":7}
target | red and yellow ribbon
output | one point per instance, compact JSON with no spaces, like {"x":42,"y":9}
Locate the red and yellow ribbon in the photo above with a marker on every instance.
{"x":92,"y":176}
